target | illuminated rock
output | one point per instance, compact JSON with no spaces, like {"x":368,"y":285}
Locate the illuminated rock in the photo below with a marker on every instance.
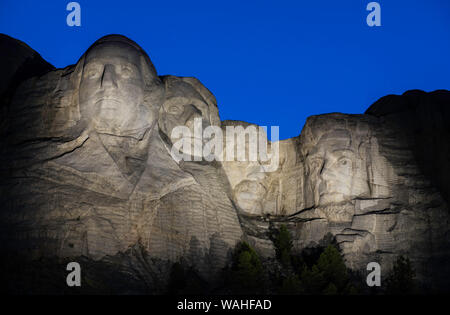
{"x":90,"y":166}
{"x":87,"y":170}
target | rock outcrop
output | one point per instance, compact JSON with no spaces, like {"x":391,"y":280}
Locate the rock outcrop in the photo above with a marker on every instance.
{"x":87,"y":171}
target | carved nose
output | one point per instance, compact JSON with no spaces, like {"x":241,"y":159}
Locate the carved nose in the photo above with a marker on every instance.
{"x":326,"y":174}
{"x":190,"y":113}
{"x":322,"y":187}
{"x":109,"y":76}
{"x":324,"y":179}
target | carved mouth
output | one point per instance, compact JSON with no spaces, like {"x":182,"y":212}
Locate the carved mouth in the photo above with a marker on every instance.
{"x":108,"y":103}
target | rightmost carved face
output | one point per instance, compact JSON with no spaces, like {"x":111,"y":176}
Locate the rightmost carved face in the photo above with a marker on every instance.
{"x":336,"y":170}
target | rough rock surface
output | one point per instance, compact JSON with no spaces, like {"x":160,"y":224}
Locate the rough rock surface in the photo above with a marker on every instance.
{"x":78,"y":181}
{"x":86,"y":170}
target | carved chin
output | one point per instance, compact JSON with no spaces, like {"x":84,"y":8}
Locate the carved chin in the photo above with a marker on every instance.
{"x":106,"y":126}
{"x":116,"y":118}
{"x":331,"y":198}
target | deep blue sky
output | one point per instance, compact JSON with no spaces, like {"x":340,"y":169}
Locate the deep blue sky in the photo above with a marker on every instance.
{"x":267,"y":62}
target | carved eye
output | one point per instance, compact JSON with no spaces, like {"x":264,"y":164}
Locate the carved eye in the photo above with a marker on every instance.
{"x":125,"y":72}
{"x":344,"y":162}
{"x":174,"y":109}
{"x":93,"y":73}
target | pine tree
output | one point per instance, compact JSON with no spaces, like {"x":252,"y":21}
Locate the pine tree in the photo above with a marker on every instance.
{"x":332,"y":266}
{"x":283,"y":245}
{"x":328,"y":276}
{"x":247,"y":272}
{"x":401,"y":279}
{"x":291,"y":285}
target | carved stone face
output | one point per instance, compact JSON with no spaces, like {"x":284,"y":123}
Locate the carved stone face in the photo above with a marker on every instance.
{"x":336,"y":169}
{"x":249,"y":195}
{"x":112,"y":88}
{"x":181,"y":112}
{"x":183,"y":106}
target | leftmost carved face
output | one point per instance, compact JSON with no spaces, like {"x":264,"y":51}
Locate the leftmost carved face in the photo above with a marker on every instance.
{"x":112,"y":88}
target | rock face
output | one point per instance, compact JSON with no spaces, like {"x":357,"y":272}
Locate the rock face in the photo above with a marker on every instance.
{"x":87,"y":170}
{"x":19,"y":62}
{"x":359,"y":180}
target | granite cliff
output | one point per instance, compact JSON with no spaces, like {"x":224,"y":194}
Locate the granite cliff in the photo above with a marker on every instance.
{"x":87,"y":173}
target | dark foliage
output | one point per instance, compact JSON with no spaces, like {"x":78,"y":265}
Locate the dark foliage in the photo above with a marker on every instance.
{"x":401,"y":281}
{"x":246,"y":275}
{"x":283,"y":245}
{"x":185,"y":281}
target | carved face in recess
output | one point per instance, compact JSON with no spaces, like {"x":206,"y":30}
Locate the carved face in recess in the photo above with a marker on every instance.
{"x":249,"y":195}
{"x":336,"y":170}
{"x":183,"y":105}
{"x":112,"y":88}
